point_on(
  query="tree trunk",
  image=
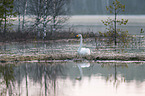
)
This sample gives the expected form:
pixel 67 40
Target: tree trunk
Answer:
pixel 5 25
pixel 115 29
pixel 44 30
pixel 38 18
pixel 19 22
pixel 24 13
pixel 44 22
pixel 19 17
pixel 54 25
pixel 0 25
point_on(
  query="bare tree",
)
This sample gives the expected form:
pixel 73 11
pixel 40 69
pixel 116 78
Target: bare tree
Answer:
pixel 36 9
pixel 40 8
pixel 48 12
pixel 58 10
pixel 24 13
pixel 46 15
pixel 18 9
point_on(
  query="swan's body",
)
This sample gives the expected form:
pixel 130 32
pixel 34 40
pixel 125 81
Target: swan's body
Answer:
pixel 82 51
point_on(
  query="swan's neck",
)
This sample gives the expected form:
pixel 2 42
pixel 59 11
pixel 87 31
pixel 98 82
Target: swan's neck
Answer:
pixel 81 43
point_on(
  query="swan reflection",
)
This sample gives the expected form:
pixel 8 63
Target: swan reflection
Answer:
pixel 81 66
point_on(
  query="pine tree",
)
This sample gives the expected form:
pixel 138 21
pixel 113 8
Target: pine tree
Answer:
pixel 1 14
pixel 6 11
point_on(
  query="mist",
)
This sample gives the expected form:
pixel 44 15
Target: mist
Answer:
pixel 98 7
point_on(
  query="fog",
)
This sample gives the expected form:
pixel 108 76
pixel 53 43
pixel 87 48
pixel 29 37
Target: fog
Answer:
pixel 96 7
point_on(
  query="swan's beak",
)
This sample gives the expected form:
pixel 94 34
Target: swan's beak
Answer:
pixel 77 36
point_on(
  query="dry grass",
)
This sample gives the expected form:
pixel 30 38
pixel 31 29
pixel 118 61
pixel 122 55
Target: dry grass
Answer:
pixel 48 57
pixel 30 35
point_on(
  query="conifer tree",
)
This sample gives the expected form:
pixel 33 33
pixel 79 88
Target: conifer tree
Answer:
pixel 1 14
pixel 6 11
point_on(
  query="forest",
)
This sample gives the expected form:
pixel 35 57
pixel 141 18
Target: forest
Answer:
pixel 37 20
pixel 43 18
pixel 36 16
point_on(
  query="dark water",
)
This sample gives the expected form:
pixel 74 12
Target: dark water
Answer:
pixel 73 79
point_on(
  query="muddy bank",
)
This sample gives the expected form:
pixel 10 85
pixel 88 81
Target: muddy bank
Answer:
pixel 15 58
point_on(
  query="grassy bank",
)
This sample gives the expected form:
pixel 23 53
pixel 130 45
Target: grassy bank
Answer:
pixel 65 36
pixel 93 57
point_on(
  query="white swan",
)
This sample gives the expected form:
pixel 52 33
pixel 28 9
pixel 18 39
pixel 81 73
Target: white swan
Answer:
pixel 82 51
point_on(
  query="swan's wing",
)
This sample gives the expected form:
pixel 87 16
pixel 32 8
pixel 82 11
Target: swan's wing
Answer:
pixel 85 51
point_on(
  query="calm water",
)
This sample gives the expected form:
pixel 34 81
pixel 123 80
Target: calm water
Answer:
pixel 92 23
pixel 73 79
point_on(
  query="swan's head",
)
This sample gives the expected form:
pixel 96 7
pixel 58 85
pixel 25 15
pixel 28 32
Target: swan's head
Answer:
pixel 79 35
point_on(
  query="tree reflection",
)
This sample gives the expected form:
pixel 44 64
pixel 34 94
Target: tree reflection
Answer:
pixel 19 80
pixel 115 78
pixel 7 79
pixel 22 76
pixel 49 78
pixel 26 80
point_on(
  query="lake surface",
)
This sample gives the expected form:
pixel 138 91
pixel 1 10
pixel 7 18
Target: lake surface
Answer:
pixel 102 78
pixel 92 23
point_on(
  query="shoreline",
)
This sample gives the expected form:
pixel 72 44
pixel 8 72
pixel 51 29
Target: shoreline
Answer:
pixel 10 57
pixel 68 57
